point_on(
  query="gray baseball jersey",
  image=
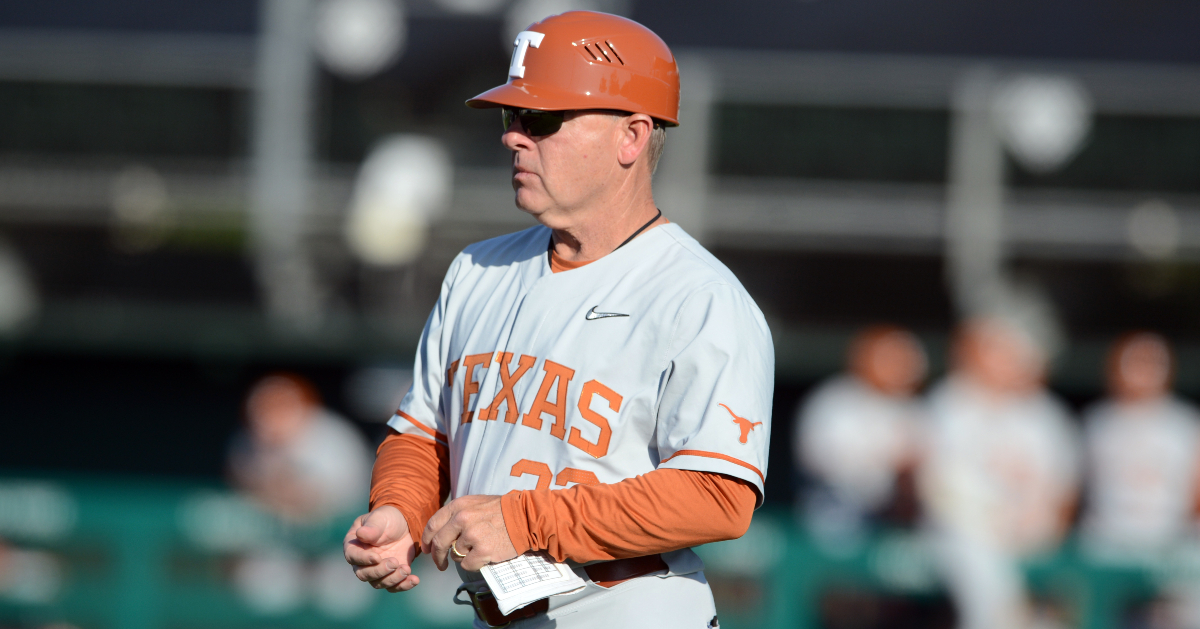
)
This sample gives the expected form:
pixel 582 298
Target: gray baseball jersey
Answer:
pixel 652 356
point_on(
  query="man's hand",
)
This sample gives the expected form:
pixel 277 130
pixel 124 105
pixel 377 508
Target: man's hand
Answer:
pixel 381 550
pixel 475 526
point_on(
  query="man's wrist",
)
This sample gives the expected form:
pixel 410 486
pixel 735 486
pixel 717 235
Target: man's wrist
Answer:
pixel 408 520
pixel 516 520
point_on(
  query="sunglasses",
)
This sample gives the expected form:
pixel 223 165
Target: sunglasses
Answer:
pixel 533 121
pixel 538 122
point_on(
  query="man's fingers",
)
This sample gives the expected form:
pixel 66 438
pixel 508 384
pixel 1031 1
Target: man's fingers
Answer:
pixel 434 525
pixel 368 534
pixel 440 542
pixel 382 570
pixel 354 527
pixel 463 549
pixel 350 534
pixel 357 555
pixel 407 584
pixel 477 556
pixel 382 526
pixel 355 552
pixel 442 530
pixel 392 579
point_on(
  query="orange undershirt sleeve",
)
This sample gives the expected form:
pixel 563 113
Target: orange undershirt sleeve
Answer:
pixel 657 512
pixel 412 474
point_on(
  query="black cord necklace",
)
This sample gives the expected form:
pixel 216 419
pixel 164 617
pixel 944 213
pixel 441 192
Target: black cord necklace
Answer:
pixel 640 230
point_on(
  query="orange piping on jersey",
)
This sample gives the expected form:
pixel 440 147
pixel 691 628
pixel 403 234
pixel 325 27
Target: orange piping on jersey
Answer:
pixel 507 380
pixel 600 448
pixel 470 386
pixel 554 373
pixel 431 432
pixel 558 264
pixel 717 455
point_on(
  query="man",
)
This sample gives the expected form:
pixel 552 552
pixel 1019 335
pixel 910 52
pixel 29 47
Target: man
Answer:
pixel 302 463
pixel 597 388
pixel 857 433
pixel 1000 470
pixel 297 458
pixel 1142 446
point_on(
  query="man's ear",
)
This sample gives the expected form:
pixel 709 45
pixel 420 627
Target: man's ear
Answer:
pixel 635 133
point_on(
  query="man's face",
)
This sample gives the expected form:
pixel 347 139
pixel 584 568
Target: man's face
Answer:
pixel 558 174
pixel 1001 358
pixel 893 363
pixel 277 412
pixel 1140 369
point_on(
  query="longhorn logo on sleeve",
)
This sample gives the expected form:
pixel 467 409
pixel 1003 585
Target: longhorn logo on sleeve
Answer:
pixel 743 423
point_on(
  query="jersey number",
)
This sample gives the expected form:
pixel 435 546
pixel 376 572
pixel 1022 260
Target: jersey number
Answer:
pixel 543 474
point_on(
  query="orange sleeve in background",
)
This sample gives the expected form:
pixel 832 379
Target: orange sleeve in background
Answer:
pixel 657 512
pixel 411 473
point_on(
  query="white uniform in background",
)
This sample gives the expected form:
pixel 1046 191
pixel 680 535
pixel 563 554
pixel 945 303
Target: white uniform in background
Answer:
pixel 996 479
pixel 1142 467
pixel 330 458
pixel 854 439
pixel 331 461
pixel 653 356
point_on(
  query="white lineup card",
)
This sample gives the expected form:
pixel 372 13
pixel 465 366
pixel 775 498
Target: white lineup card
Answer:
pixel 526 578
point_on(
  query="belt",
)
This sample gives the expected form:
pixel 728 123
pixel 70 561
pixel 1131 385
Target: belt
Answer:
pixel 605 574
pixel 488 610
pixel 610 573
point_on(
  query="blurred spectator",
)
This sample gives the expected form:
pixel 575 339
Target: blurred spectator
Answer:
pixel 857 433
pixel 1142 452
pixel 28 576
pixel 303 463
pixel 295 457
pixel 1000 471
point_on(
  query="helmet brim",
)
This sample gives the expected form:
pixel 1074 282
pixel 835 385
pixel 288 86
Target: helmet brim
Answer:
pixel 513 95
pixel 518 94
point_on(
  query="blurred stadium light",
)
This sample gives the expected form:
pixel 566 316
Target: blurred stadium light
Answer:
pixel 19 301
pixel 359 38
pixel 403 185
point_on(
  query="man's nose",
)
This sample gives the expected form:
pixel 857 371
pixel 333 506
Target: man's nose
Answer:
pixel 514 137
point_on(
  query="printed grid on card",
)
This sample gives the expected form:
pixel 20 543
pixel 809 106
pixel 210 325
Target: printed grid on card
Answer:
pixel 524 571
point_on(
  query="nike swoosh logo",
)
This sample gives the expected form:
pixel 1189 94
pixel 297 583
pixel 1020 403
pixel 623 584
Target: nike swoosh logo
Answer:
pixel 592 315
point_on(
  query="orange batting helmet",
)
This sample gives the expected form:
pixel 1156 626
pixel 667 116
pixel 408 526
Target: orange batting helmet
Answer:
pixel 589 60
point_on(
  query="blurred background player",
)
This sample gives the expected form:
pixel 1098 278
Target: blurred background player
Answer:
pixel 1000 470
pixel 27 575
pixel 1142 445
pixel 303 463
pixel 298 459
pixel 856 436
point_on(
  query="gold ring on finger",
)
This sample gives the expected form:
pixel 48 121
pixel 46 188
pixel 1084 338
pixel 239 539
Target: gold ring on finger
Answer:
pixel 454 549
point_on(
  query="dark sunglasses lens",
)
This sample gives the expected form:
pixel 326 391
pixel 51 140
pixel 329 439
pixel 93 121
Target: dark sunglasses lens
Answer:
pixel 533 122
pixel 541 122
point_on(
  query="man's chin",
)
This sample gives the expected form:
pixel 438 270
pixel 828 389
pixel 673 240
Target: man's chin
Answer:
pixel 526 205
